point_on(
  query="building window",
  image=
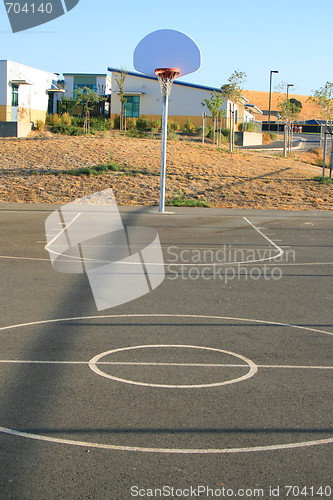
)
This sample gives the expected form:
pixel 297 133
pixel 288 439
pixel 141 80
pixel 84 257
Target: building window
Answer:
pixel 14 94
pixel 132 106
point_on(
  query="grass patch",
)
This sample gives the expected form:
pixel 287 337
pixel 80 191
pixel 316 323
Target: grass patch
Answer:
pixel 105 168
pixel 180 201
pixel 323 180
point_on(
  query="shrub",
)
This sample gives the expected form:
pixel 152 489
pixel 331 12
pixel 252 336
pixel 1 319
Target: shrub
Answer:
pixel 173 126
pixel 198 131
pixel 77 121
pixel 39 125
pixel 269 136
pixel 224 139
pixel 143 123
pixel 100 123
pixel 210 132
pixel 130 123
pixel 53 120
pixel 156 125
pixel 116 122
pixel 225 132
pixel 67 130
pixel 65 119
pixel 140 134
pixel 249 127
pixel 189 128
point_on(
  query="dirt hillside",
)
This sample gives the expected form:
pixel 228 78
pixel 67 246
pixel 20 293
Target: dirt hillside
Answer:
pixel 309 110
pixel 28 170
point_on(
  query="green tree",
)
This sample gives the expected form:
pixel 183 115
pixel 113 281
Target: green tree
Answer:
pixel 214 106
pixel 87 98
pixel 232 90
pixel 289 109
pixel 120 80
pixel 297 103
pixel 323 97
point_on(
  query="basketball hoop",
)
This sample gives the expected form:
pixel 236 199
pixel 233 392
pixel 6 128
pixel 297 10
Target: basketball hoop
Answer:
pixel 166 77
pixel 166 54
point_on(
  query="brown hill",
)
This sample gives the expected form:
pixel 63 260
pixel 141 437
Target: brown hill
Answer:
pixel 309 110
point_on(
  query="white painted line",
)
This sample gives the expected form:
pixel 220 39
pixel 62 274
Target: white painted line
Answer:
pixel 10 257
pixel 65 227
pixel 113 447
pixel 280 250
pixel 209 264
pixel 135 363
pixel 165 315
pixel 31 362
pixel 182 451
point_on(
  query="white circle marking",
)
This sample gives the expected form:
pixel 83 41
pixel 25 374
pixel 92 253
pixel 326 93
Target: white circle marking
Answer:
pixel 253 367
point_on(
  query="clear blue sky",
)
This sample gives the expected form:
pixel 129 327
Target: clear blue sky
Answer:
pixel 293 37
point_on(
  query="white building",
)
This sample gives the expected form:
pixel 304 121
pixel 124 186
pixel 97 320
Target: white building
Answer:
pixel 24 97
pixel 185 103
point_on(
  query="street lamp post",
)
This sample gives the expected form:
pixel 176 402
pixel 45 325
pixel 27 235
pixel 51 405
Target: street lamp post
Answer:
pixel 289 128
pixel 289 85
pixel 270 99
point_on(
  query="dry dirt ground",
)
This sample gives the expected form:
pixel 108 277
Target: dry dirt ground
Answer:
pixel 194 171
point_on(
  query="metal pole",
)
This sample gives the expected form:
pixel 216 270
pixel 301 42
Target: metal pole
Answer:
pixel 231 128
pixel 291 137
pixel 285 140
pixel 331 160
pixel 203 127
pixel 270 101
pixel 164 148
pixel 324 154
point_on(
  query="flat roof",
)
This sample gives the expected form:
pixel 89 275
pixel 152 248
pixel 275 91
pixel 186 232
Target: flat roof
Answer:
pixel 176 82
pixel 184 84
pixel 86 74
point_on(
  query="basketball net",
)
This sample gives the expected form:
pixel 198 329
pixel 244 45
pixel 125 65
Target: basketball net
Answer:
pixel 166 77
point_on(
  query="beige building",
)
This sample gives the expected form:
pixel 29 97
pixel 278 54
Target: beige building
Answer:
pixel 143 98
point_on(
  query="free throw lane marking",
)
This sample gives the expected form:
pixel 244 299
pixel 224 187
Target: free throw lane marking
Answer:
pixel 280 251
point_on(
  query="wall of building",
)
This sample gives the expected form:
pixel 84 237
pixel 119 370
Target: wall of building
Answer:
pixel 102 83
pixel 3 81
pixel 185 102
pixel 69 85
pixel 5 113
pixel 32 99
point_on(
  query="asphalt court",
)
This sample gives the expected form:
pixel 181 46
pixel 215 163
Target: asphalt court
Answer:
pixel 231 357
